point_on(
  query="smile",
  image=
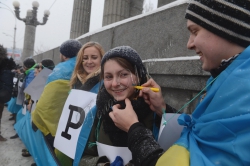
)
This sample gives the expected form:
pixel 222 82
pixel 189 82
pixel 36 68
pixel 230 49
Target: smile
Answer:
pixel 119 90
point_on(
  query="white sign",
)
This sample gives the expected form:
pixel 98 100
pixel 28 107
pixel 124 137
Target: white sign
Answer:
pixel 112 151
pixel 170 132
pixel 36 86
pixel 75 109
pixel 20 96
pixel 14 80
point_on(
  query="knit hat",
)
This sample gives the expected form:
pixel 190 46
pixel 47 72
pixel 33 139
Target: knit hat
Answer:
pixel 70 48
pixel 48 63
pixel 29 62
pixel 229 19
pixel 130 55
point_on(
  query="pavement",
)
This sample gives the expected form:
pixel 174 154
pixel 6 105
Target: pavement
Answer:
pixel 11 149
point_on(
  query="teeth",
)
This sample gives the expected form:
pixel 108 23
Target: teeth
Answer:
pixel 117 91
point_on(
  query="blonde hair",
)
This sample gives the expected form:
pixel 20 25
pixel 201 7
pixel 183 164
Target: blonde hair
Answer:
pixel 78 66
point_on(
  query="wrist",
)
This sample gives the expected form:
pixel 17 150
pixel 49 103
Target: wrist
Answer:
pixel 131 124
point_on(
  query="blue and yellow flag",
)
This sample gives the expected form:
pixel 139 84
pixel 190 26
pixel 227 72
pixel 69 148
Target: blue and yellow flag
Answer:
pixel 219 131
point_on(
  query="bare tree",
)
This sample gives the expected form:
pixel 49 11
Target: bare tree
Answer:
pixel 41 49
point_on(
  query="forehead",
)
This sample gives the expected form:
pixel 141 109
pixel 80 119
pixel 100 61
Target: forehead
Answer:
pixel 112 66
pixel 91 50
pixel 191 24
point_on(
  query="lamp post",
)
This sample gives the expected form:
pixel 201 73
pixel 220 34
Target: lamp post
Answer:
pixel 30 27
pixel 14 41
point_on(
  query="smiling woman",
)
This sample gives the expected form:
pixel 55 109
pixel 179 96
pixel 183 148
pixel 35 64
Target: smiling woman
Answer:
pixel 121 70
pixel 87 64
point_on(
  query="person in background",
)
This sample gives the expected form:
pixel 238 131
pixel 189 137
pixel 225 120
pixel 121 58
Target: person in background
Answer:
pixel 48 110
pixel 218 130
pixel 6 81
pixel 13 107
pixel 87 65
pixel 45 63
pixel 28 68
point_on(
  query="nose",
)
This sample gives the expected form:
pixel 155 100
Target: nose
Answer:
pixel 115 82
pixel 190 43
pixel 89 60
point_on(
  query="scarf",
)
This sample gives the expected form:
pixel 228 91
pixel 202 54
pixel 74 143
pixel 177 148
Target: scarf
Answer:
pixel 104 103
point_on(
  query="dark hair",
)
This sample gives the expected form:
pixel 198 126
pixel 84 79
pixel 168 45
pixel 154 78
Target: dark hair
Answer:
pixel 29 62
pixel 48 63
pixel 129 54
pixel 121 61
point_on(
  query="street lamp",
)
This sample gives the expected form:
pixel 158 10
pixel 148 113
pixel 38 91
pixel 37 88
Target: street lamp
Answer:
pixel 30 28
pixel 14 41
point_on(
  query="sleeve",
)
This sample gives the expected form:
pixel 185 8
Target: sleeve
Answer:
pixel 145 150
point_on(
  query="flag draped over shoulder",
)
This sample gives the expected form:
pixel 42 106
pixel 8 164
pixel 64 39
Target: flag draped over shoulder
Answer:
pixel 50 105
pixel 218 132
pixel 35 142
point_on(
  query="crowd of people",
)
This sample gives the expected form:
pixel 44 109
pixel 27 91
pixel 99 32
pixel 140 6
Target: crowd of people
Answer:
pixel 216 133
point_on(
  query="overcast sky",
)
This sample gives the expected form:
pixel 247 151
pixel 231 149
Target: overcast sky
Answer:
pixel 57 28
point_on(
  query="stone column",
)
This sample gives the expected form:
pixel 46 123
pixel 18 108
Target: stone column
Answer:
pixel 29 41
pixel 164 2
pixel 136 7
pixel 80 18
pixel 115 10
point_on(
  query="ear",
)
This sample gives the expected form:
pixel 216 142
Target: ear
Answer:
pixel 64 57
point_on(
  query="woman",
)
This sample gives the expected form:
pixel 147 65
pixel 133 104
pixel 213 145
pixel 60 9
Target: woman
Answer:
pixel 86 76
pixel 87 65
pixel 121 70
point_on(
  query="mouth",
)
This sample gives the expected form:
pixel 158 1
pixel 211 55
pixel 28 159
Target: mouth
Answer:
pixel 118 91
pixel 90 67
pixel 199 53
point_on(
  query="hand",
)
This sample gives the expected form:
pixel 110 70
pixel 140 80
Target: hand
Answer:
pixel 124 118
pixel 28 107
pixel 153 99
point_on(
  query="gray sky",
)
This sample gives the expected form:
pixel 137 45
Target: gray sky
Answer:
pixel 57 28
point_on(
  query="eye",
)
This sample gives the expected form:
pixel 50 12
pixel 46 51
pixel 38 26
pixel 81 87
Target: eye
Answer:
pixel 194 32
pixel 85 58
pixel 124 75
pixel 95 57
pixel 108 77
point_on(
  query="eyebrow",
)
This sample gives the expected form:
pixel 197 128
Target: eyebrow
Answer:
pixel 90 55
pixel 115 72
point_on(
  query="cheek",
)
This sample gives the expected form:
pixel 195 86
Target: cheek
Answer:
pixel 131 91
pixel 107 84
pixel 97 63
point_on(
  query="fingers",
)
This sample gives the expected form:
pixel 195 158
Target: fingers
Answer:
pixel 148 91
pixel 111 115
pixel 116 106
pixel 128 103
pixel 151 83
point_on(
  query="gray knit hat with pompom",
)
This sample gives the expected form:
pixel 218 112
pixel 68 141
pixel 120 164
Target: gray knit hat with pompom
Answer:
pixel 70 48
